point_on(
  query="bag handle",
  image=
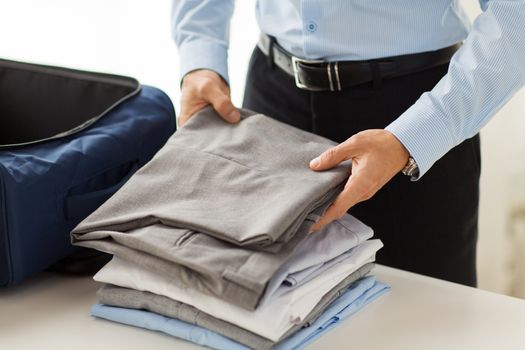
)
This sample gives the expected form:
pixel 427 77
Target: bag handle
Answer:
pixel 79 206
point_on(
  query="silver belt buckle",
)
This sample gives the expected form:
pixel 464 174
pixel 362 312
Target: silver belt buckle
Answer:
pixel 298 83
pixel 301 85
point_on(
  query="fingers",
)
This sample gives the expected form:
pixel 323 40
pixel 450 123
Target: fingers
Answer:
pixel 357 189
pixel 333 156
pixel 188 109
pixel 222 104
pixel 330 215
pixel 204 87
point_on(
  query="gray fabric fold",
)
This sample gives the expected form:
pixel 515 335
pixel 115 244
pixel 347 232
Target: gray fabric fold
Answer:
pixel 198 261
pixel 129 298
pixel 247 183
pixel 221 207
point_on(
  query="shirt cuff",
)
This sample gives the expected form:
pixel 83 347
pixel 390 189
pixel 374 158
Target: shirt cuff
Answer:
pixel 203 55
pixel 424 133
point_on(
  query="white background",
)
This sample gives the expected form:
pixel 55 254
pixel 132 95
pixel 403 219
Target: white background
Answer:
pixel 132 37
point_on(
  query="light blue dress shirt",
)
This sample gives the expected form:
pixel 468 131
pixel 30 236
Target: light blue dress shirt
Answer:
pixel 483 75
pixel 354 299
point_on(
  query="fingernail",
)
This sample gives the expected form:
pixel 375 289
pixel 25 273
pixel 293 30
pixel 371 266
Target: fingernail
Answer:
pixel 314 163
pixel 234 115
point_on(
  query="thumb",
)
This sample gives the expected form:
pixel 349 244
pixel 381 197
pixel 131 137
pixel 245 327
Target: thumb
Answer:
pixel 222 103
pixel 330 158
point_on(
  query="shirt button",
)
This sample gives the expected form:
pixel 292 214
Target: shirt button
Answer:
pixel 311 26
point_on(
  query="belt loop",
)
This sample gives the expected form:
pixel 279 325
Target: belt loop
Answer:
pixel 377 81
pixel 336 70
pixel 269 57
pixel 329 72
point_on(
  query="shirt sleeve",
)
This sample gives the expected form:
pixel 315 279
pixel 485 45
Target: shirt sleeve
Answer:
pixel 482 76
pixel 201 32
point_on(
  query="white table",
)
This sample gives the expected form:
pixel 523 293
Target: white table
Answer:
pixel 52 312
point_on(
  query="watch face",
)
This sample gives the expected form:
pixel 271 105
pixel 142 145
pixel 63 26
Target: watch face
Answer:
pixel 411 168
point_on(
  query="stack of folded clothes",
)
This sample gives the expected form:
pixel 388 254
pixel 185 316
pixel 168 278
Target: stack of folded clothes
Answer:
pixel 211 239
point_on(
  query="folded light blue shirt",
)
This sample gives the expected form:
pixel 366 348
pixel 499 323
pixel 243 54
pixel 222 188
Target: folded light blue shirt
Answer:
pixel 354 299
pixel 483 74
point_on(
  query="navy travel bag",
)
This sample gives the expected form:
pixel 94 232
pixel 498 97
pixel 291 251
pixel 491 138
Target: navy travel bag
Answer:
pixel 69 139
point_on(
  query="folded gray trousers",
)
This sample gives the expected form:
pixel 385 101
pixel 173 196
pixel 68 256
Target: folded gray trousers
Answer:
pixel 133 299
pixel 240 196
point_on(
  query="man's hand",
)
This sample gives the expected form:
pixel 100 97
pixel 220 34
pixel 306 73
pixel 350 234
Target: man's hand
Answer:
pixel 204 87
pixel 377 155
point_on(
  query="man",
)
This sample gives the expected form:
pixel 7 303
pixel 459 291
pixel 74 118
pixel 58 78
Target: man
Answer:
pixel 375 77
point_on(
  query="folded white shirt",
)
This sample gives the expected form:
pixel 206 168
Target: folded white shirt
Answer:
pixel 335 239
pixel 270 320
pixel 299 278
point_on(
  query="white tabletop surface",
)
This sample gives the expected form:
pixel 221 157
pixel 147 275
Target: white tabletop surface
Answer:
pixel 52 312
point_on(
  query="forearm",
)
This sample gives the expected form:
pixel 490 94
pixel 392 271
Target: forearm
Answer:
pixel 483 75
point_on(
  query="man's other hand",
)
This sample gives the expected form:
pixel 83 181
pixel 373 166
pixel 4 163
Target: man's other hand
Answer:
pixel 376 155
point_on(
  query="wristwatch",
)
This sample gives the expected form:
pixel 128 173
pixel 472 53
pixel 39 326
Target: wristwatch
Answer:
pixel 411 168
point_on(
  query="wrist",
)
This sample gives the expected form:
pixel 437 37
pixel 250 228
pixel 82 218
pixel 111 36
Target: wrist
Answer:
pixel 201 73
pixel 409 165
pixel 399 152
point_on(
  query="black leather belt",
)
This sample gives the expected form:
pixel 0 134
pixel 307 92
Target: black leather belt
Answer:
pixel 319 75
